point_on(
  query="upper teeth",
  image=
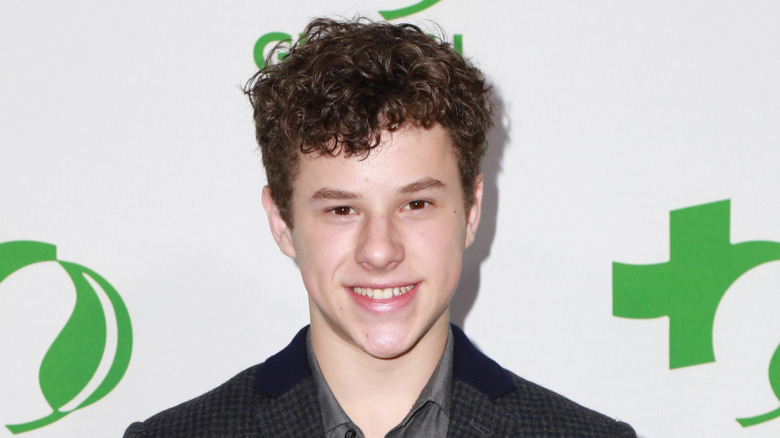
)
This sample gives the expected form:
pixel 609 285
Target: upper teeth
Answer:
pixel 381 294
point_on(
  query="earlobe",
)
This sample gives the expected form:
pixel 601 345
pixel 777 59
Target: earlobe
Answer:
pixel 279 228
pixel 472 219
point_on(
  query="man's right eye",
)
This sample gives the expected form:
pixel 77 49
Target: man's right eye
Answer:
pixel 343 210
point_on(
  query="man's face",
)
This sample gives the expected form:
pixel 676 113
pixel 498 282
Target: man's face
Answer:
pixel 379 241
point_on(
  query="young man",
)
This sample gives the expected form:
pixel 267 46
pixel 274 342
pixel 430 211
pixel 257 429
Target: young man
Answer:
pixel 371 136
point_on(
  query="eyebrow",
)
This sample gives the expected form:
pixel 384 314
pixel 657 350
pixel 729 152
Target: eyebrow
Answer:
pixel 328 194
pixel 423 184
pixel 332 194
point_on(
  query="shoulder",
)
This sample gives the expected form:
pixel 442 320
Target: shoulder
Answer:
pixel 238 409
pixel 488 400
pixel 225 406
pixel 276 398
pixel 559 414
pixel 528 409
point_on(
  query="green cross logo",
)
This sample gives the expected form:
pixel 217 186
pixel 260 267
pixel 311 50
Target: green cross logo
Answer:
pixel 703 264
pixel 72 361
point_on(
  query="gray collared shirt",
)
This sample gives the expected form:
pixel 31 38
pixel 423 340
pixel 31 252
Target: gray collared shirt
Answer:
pixel 429 416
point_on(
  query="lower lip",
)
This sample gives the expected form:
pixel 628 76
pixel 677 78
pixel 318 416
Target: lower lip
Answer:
pixel 387 305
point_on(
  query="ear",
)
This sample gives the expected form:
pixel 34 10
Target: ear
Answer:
pixel 472 219
pixel 279 229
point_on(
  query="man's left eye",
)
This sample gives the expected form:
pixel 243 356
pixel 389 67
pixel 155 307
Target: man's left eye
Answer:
pixel 416 205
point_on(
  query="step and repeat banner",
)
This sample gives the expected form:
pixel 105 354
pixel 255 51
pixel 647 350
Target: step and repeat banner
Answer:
pixel 629 252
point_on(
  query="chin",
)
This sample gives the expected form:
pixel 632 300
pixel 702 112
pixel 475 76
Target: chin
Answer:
pixel 387 343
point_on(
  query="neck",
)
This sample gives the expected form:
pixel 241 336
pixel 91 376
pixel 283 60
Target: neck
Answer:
pixel 377 393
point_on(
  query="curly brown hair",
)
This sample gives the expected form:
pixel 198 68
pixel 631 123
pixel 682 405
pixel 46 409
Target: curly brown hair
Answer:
pixel 344 82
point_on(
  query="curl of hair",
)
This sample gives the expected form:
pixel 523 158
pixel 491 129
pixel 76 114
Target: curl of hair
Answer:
pixel 343 83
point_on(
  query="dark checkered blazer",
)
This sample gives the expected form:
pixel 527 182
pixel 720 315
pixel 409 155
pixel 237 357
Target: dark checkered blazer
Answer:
pixel 278 399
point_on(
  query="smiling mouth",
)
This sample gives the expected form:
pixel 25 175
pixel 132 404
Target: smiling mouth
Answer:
pixel 382 294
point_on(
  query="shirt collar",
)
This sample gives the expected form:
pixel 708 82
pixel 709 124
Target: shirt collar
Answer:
pixel 290 366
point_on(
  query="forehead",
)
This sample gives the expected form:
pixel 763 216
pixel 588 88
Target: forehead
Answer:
pixel 405 153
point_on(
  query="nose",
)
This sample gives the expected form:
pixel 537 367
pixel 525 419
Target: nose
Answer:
pixel 380 246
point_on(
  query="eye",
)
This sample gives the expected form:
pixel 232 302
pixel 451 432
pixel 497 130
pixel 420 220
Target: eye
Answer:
pixel 343 210
pixel 417 204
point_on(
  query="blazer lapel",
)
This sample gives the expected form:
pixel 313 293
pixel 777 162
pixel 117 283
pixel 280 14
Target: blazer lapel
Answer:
pixel 290 407
pixel 479 381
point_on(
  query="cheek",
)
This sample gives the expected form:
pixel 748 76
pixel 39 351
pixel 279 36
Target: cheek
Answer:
pixel 320 255
pixel 441 243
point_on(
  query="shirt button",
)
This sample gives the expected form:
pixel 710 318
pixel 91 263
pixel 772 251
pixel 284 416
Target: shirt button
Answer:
pixel 350 434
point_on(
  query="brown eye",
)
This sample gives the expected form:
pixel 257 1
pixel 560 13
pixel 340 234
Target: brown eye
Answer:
pixel 343 211
pixel 417 205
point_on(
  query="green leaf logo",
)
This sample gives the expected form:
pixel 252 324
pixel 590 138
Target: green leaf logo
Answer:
pixel 271 39
pixel 78 369
pixel 409 10
pixel 264 41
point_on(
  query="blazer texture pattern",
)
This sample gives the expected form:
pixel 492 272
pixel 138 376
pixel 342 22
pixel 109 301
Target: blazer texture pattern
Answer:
pixel 278 398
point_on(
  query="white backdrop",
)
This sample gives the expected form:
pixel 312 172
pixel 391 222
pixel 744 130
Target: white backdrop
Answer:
pixel 125 142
